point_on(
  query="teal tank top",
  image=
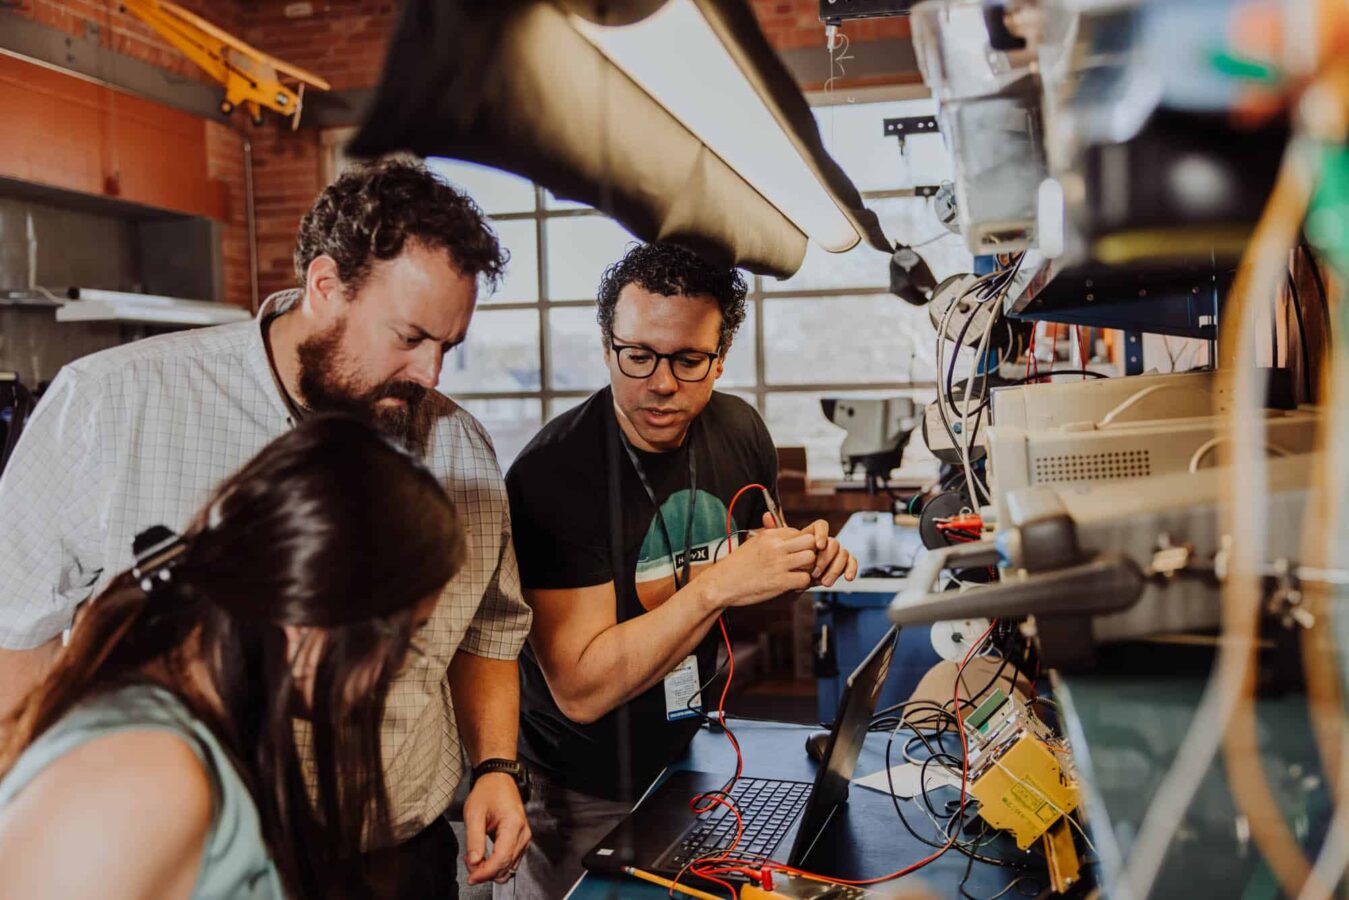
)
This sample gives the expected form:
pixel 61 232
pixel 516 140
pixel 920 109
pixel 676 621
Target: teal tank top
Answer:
pixel 235 862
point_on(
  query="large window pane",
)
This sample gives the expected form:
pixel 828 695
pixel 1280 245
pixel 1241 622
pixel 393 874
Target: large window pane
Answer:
pixel 580 248
pixel 796 420
pixel 494 190
pixel 500 354
pixel 740 361
pixel 577 354
pixel 521 284
pixel 854 134
pixel 846 339
pixel 510 422
pixel 861 267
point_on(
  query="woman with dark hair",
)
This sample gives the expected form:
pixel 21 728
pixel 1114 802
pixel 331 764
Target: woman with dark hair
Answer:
pixel 158 758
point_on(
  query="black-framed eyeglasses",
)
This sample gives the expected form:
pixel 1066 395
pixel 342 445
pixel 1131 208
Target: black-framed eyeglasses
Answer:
pixel 636 361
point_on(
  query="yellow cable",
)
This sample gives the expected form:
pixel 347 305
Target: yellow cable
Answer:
pixel 1245 492
pixel 1326 106
pixel 1240 390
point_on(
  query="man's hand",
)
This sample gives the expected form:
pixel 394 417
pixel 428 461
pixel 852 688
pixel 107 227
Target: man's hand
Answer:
pixel 493 809
pixel 831 560
pixel 772 562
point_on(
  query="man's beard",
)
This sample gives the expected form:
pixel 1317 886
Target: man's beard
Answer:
pixel 325 388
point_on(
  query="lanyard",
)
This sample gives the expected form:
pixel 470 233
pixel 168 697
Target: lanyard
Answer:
pixel 660 517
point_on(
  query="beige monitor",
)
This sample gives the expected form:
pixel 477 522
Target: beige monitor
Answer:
pixel 1113 430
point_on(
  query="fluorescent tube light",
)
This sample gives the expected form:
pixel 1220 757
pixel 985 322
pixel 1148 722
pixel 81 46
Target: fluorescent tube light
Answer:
pixel 676 57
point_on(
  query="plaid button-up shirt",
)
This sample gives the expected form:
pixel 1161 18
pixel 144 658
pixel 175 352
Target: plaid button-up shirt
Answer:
pixel 139 435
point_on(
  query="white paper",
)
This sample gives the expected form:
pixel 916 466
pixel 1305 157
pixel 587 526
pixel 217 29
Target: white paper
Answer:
pixel 906 776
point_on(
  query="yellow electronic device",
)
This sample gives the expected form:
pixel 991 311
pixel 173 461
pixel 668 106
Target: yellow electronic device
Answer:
pixel 1024 787
pixel 252 79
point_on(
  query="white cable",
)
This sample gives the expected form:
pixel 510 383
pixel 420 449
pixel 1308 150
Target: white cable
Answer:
pixel 1211 443
pixel 980 355
pixel 941 370
pixel 942 375
pixel 1134 399
pixel 946 411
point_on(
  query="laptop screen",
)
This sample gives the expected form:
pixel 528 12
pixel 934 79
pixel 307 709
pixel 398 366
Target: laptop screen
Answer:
pixel 845 745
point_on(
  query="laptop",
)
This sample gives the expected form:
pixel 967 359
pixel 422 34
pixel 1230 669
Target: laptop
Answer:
pixel 663 835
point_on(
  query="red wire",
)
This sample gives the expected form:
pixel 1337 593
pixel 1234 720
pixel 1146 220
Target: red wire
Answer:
pixel 730 523
pixel 705 803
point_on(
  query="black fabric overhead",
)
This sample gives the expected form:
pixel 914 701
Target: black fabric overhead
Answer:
pixel 511 84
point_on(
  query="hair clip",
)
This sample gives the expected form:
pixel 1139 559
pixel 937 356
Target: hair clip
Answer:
pixel 157 550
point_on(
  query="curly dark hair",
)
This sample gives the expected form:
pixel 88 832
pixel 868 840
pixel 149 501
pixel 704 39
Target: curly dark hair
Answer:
pixel 671 270
pixel 372 210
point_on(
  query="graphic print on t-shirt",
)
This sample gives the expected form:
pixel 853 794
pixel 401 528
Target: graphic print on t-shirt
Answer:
pixel 655 574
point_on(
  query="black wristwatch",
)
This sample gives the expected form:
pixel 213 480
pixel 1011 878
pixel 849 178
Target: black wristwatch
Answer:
pixel 511 767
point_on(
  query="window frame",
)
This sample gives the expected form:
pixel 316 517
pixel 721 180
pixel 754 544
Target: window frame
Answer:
pixel 759 295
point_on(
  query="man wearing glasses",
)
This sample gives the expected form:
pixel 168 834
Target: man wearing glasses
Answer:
pixel 619 509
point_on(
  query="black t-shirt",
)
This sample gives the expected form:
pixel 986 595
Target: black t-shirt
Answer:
pixel 560 516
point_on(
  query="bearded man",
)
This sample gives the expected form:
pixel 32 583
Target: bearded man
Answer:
pixel 388 262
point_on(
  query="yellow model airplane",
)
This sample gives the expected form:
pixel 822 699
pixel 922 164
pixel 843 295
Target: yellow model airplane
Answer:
pixel 252 79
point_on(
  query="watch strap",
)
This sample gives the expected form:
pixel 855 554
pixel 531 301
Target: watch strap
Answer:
pixel 512 767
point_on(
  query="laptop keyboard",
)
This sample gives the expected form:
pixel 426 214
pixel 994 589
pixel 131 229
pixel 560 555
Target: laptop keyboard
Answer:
pixel 767 809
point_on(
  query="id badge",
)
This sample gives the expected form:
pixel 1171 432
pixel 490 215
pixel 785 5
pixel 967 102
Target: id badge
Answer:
pixel 683 691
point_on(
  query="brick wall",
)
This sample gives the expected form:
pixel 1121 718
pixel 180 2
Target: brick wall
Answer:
pixel 225 162
pixel 287 168
pixel 341 40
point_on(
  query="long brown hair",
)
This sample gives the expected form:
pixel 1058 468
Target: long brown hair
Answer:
pixel 329 527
